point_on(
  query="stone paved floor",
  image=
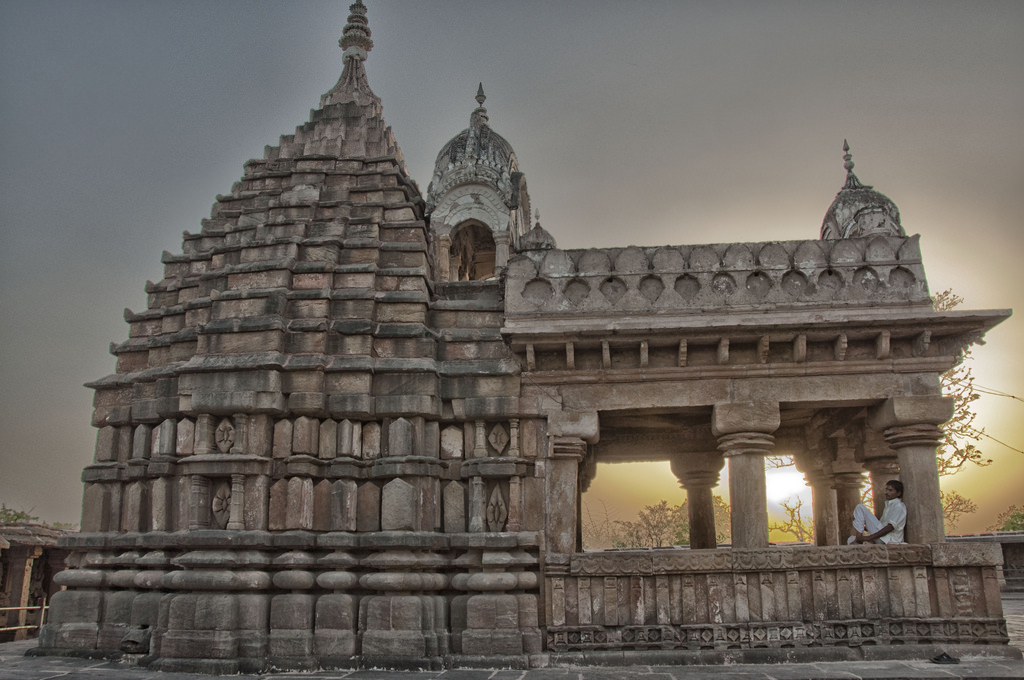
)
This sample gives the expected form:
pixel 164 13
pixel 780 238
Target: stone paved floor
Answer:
pixel 14 665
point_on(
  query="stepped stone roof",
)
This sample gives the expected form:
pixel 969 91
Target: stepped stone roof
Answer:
pixel 316 256
pixel 29 534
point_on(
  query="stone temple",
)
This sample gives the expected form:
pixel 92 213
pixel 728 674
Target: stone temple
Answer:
pixel 354 422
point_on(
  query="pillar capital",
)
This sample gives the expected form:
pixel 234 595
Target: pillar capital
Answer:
pixel 872 447
pixel 883 466
pixel 848 480
pixel 731 417
pixel 744 436
pixel 698 473
pixel 815 461
pixel 696 479
pixel 568 447
pixel 741 443
pixel 568 424
pixel 900 411
pixel 698 469
pixel 818 476
pixel 902 436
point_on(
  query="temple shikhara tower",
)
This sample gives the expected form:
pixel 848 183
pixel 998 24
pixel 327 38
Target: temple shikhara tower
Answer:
pixel 354 422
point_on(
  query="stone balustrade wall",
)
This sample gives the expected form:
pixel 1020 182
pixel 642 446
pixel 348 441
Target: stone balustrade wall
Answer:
pixel 782 597
pixel 878 270
pixel 1012 545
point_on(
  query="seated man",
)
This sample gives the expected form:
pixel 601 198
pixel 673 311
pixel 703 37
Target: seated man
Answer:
pixel 885 529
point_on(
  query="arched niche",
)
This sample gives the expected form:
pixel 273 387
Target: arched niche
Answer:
pixel 472 253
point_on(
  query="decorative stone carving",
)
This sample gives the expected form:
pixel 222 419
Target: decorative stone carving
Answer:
pixel 498 438
pixel 225 436
pixel 497 510
pixel 220 505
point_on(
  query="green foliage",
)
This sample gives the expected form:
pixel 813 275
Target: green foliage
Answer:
pixel 12 516
pixel 1011 519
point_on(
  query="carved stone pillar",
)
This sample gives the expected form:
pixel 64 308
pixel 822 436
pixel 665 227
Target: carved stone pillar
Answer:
pixel 699 474
pixel 205 427
pixel 823 507
pixel 881 463
pixel 444 259
pixel 910 426
pixel 566 454
pixel 513 438
pixel 847 486
pixel 199 503
pixel 236 519
pixel 480 439
pixel 515 503
pixel 477 505
pixel 815 462
pixel 501 243
pixel 241 441
pixel 848 482
pixel 744 437
pixel 881 471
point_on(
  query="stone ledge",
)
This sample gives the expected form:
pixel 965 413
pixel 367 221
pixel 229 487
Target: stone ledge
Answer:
pixel 681 560
pixel 780 656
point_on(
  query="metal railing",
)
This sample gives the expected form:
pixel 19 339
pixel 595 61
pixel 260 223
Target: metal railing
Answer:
pixel 22 620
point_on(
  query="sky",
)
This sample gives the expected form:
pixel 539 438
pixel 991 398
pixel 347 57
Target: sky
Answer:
pixel 637 123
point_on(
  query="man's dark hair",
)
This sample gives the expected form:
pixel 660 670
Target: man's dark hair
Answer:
pixel 896 484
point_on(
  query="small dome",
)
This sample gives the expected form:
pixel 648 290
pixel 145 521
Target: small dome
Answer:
pixel 538 238
pixel 477 155
pixel 478 144
pixel 858 210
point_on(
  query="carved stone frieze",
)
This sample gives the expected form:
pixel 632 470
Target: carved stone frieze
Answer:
pixel 678 560
pixel 753 635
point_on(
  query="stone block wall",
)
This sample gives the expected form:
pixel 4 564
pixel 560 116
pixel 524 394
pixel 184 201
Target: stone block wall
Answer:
pixel 223 602
pixel 312 474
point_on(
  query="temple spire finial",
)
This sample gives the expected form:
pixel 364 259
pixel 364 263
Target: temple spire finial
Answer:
pixel 851 179
pixel 355 38
pixel 479 116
